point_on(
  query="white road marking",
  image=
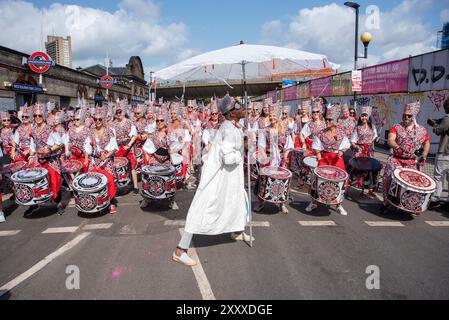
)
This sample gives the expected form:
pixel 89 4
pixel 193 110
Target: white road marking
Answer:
pixel 326 223
pixel 200 275
pixel 41 264
pixel 97 226
pixel 126 229
pixel 182 223
pixel 260 224
pixel 384 223
pixel 61 230
pixel 9 233
pixel 438 223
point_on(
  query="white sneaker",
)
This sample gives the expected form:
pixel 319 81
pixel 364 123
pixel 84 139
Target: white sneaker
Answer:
pixel 2 217
pixel 284 208
pixel 184 259
pixel 342 211
pixel 144 203
pixel 174 205
pixel 241 237
pixel 312 206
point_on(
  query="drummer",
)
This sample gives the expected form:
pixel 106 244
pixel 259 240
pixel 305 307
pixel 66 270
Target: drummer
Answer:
pixel 346 122
pixel 210 127
pixel 288 124
pixel 100 147
pixel 301 119
pixel 157 150
pixel 141 125
pixel 271 144
pixel 177 132
pixel 264 118
pixel 363 138
pixel 313 127
pixel 405 139
pixel 150 119
pixel 22 137
pixel 126 134
pixel 329 146
pixel 45 152
pixel 75 138
pixel 6 135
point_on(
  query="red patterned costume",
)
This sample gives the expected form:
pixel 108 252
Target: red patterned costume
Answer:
pixel 124 131
pixel 347 125
pixel 363 137
pixel 329 146
pixel 76 144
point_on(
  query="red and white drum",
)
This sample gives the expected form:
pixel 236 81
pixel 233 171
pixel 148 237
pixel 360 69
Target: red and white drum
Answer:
pixel 328 185
pixel 410 190
pixel 7 170
pixel 158 182
pixel 31 186
pixel 139 160
pixel 69 170
pixel 258 161
pixel 296 157
pixel 91 192
pixel 121 165
pixel 274 184
pixel 309 164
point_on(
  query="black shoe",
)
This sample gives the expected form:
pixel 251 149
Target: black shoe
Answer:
pixel 12 198
pixel 30 210
pixel 136 191
pixel 60 209
pixel 384 208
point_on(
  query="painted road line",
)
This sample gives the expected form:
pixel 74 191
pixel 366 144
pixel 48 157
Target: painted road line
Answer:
pixel 181 223
pixel 384 224
pixel 61 230
pixel 438 223
pixel 41 264
pixel 315 223
pixel 9 233
pixel 200 275
pixel 97 226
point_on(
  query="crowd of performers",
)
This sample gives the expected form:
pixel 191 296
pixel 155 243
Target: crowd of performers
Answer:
pixel 175 134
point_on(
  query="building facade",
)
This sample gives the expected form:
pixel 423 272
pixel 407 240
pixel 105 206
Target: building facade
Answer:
pixel 60 50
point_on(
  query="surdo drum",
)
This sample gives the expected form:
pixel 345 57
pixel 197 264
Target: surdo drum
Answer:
pixel 368 168
pixel 274 184
pixel 31 186
pixel 296 156
pixel 121 165
pixel 69 170
pixel 328 184
pixel 258 161
pixel 91 192
pixel 7 170
pixel 158 182
pixel 410 190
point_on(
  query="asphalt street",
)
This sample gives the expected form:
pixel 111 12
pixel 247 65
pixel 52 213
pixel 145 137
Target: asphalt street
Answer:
pixel 317 255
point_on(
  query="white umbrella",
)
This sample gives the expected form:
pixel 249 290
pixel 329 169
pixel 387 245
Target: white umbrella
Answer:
pixel 262 62
pixel 243 62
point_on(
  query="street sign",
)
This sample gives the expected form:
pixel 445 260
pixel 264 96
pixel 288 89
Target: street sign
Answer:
pixel 356 80
pixel 106 81
pixel 26 88
pixel 40 62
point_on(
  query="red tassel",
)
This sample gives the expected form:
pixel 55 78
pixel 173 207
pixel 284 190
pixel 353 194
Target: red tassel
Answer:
pixel 274 65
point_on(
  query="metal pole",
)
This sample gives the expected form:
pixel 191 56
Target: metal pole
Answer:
pixel 248 168
pixel 107 73
pixel 356 49
pixel 151 86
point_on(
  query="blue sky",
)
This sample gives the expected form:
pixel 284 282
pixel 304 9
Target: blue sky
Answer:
pixel 195 26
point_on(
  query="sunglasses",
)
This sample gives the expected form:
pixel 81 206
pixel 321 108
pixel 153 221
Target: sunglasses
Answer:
pixel 284 112
pixel 6 120
pixel 25 117
pixel 329 120
pixel 159 120
pixel 137 113
pixel 215 113
pixel 98 119
pixel 77 119
pixel 38 116
pixel 315 112
pixel 118 112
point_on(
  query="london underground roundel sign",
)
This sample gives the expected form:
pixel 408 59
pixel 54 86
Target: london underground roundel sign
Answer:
pixel 40 62
pixel 106 81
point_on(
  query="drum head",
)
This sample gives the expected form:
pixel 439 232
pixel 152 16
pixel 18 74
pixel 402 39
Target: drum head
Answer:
pixel 162 170
pixel 331 173
pixel 120 162
pixel 279 173
pixel 311 161
pixel 71 166
pixel 414 179
pixel 31 174
pixel 365 164
pixel 92 181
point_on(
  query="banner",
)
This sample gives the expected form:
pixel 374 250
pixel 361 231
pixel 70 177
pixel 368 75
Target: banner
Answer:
pixel 356 81
pixel 429 72
pixel 388 77
pixel 320 87
pixel 341 84
pixel 288 93
pixel 304 90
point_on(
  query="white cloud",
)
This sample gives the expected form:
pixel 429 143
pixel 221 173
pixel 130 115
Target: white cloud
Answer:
pixel 135 28
pixel 329 30
pixel 444 16
pixel 272 32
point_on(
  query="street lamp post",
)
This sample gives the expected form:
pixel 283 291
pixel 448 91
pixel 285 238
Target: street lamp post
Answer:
pixel 365 38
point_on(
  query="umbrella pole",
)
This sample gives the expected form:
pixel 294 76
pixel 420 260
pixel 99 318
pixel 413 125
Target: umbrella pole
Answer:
pixel 248 173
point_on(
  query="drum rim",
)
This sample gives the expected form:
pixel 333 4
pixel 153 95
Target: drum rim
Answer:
pixel 90 190
pixel 353 159
pixel 80 165
pixel 117 158
pixel 24 163
pixel 171 168
pixel 403 183
pixel 15 174
pixel 282 169
pixel 334 167
pixel 304 161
